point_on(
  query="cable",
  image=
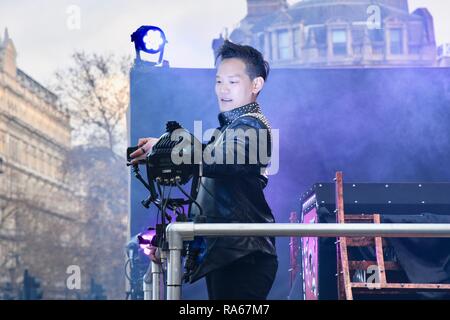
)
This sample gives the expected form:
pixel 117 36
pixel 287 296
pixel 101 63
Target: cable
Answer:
pixel 164 212
pixel 167 201
pixel 129 294
pixel 179 211
pixel 189 197
pixel 126 274
pixel 159 187
pixel 161 196
pixel 164 273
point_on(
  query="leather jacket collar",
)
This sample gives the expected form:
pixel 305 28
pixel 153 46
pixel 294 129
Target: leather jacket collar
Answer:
pixel 227 117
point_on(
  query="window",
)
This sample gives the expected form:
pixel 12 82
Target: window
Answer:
pixel 51 167
pixel 297 43
pixel 283 45
pixel 39 166
pixel 13 149
pixel 26 155
pixel 357 35
pixel 339 39
pixel 269 54
pixel 19 149
pixel 32 157
pixel 376 35
pixel 2 142
pixel 317 38
pixel 396 41
pixel 45 164
pixel 320 35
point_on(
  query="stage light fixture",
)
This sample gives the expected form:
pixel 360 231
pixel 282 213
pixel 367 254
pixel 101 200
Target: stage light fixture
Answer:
pixel 151 40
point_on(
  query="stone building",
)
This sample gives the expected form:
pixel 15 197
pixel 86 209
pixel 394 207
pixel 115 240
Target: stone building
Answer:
pixel 38 209
pixel 339 33
pixel 444 55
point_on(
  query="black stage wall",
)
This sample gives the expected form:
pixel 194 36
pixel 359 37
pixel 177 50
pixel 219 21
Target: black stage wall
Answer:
pixel 376 125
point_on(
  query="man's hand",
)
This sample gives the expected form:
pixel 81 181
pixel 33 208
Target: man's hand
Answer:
pixel 145 146
pixel 155 255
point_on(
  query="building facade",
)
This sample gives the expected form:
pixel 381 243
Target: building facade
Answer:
pixel 339 33
pixel 444 55
pixel 38 209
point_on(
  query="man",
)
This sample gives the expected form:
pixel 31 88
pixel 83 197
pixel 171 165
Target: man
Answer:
pixel 235 267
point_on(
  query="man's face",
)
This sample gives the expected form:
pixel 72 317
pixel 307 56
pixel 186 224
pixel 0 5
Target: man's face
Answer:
pixel 234 88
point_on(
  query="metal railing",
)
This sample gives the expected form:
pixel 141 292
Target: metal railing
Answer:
pixel 186 231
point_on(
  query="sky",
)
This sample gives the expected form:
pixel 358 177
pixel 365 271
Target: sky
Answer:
pixel 46 32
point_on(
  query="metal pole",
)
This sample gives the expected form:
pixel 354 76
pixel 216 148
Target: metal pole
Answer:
pixel 152 280
pixel 174 275
pixel 176 234
pixel 183 231
pixel 387 230
pixel 146 285
pixel 156 280
pixel 162 266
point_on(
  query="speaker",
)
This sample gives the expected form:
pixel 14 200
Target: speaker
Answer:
pixel 319 258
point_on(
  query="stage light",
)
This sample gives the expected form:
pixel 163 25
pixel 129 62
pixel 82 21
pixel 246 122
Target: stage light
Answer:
pixel 145 241
pixel 151 40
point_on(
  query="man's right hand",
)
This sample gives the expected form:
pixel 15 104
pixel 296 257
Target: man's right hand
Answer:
pixel 145 146
pixel 155 255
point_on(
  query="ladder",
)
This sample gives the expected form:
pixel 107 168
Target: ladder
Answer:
pixel 346 268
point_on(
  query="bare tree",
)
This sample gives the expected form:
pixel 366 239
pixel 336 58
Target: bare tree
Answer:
pixel 95 90
pixel 36 234
pixel 46 229
pixel 103 178
pixel 89 229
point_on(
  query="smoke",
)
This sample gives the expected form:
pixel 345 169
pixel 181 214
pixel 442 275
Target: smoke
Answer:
pixel 376 125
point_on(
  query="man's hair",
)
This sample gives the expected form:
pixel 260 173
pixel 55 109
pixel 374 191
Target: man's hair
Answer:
pixel 253 59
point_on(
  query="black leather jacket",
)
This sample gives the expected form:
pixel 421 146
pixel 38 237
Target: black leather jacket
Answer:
pixel 233 193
